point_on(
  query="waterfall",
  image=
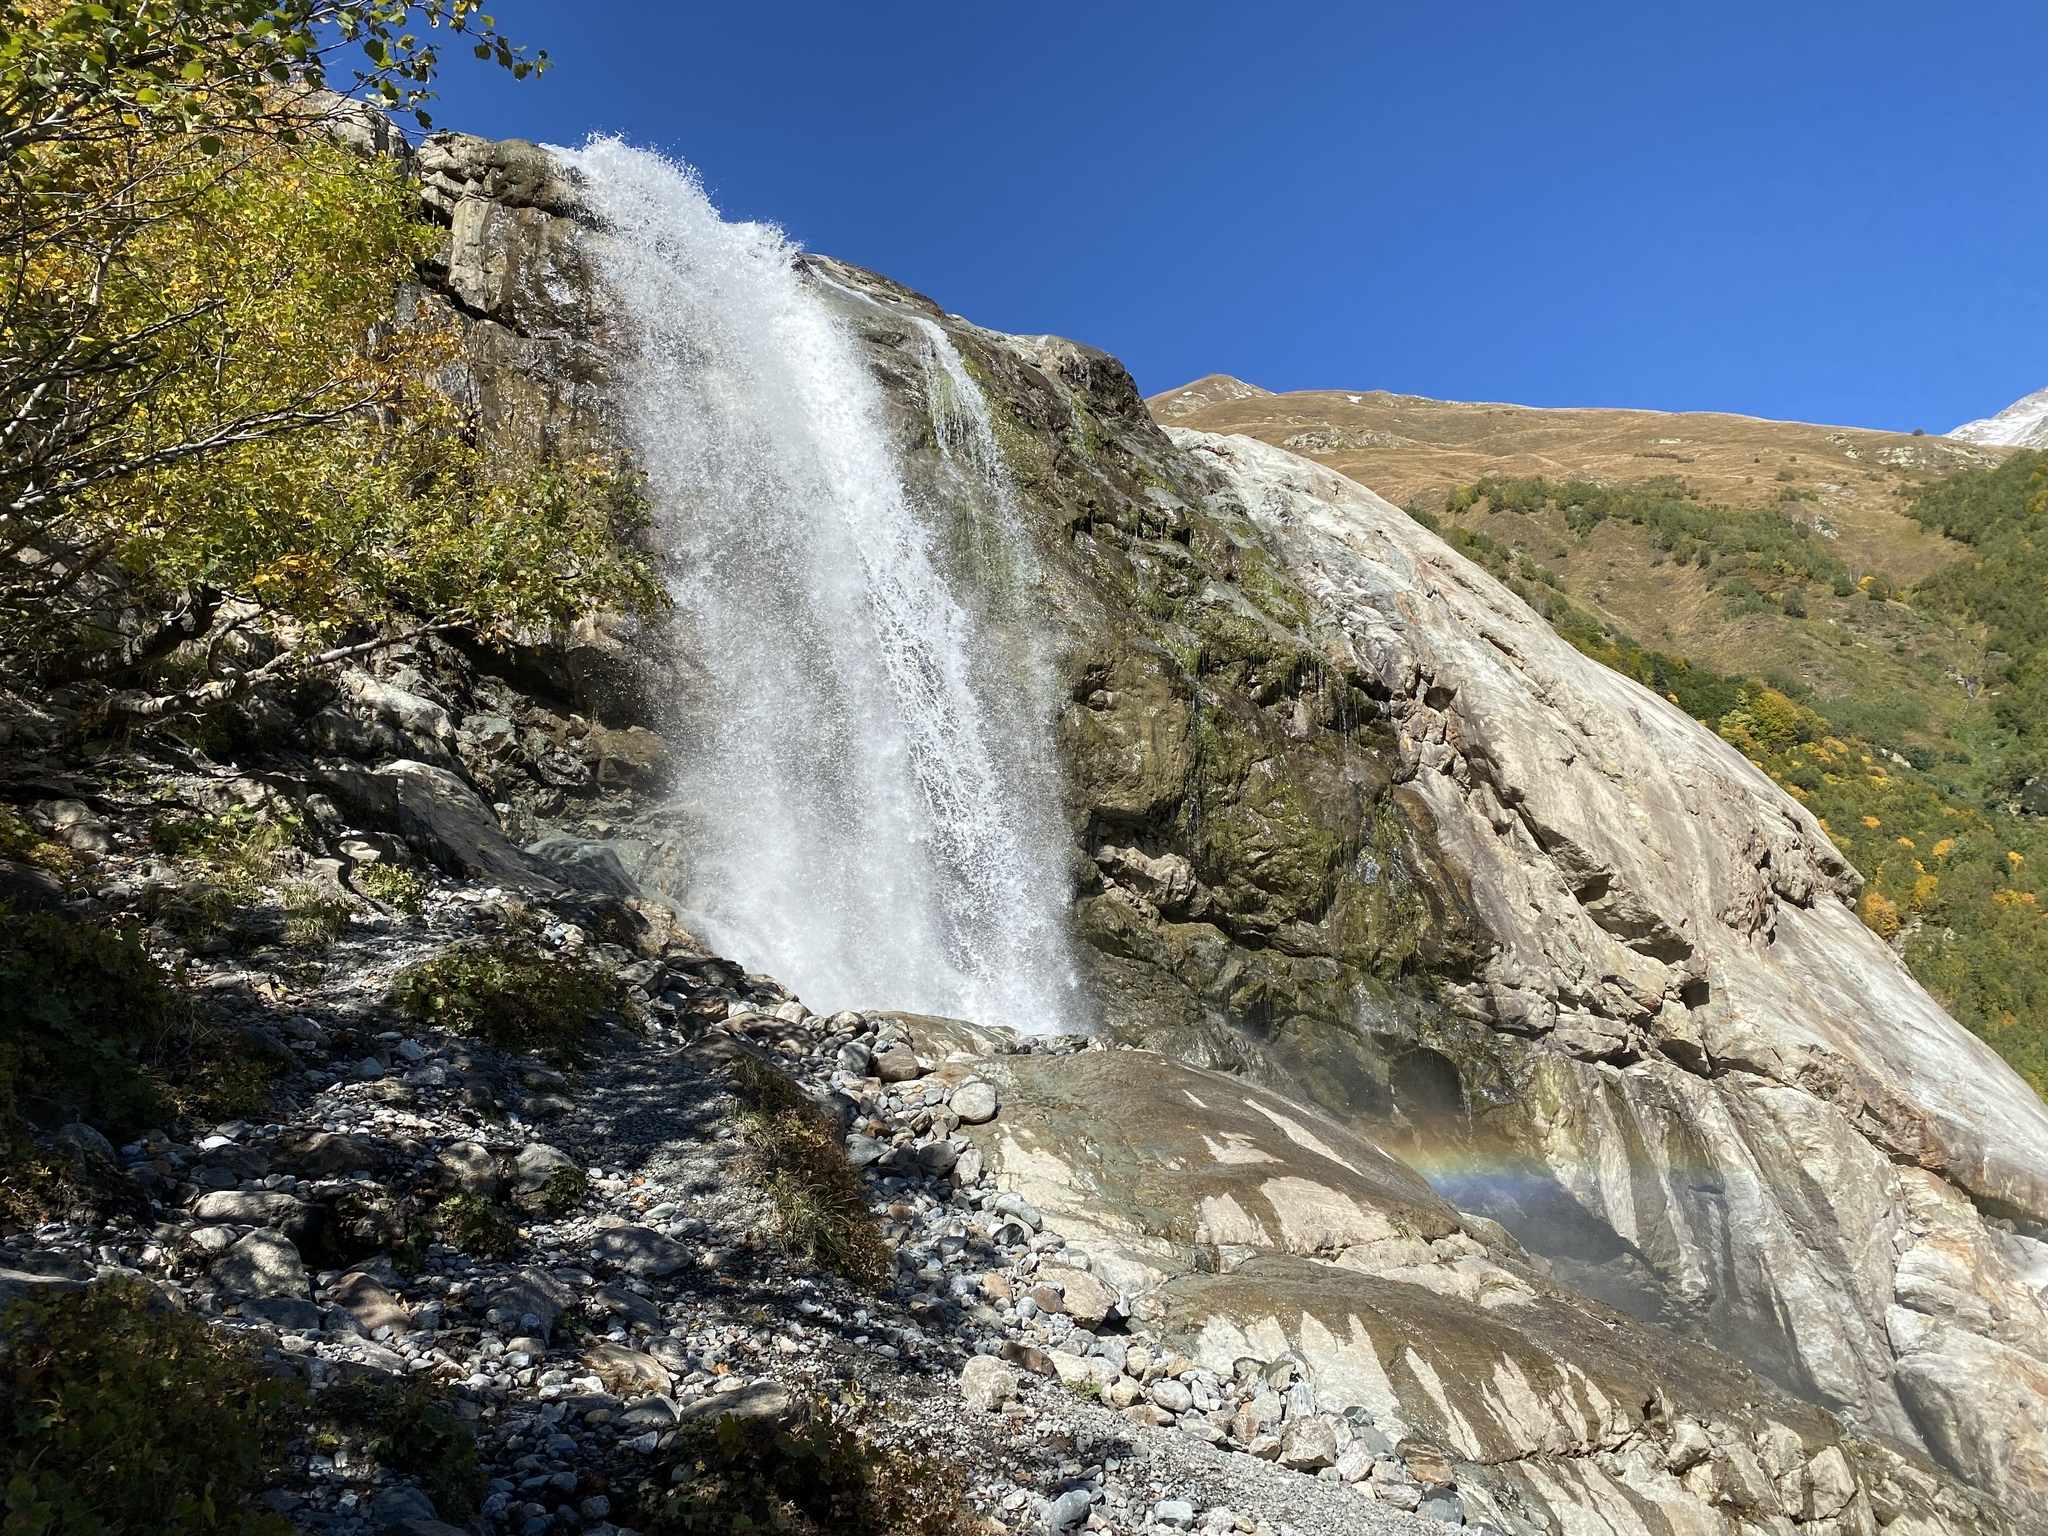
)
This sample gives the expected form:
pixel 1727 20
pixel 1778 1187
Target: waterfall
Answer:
pixel 867 795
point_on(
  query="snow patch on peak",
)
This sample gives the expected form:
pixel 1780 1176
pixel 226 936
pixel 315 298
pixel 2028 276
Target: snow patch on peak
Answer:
pixel 2023 424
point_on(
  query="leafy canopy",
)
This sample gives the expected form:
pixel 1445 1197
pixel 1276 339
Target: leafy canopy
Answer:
pixel 84 76
pixel 213 406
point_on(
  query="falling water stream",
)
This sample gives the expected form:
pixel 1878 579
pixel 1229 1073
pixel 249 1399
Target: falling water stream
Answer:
pixel 870 805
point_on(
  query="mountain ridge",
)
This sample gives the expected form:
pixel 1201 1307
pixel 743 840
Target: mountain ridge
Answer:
pixel 2023 424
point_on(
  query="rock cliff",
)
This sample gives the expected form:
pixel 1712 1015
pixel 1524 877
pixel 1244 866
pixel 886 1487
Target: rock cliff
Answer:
pixel 1351 824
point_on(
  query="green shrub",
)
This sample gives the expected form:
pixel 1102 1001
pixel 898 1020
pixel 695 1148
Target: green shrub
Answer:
pixel 89 1023
pixel 395 887
pixel 562 1193
pixel 23 844
pixel 796 1155
pixel 122 1418
pixel 823 1477
pixel 479 1226
pixel 81 1006
pixel 509 992
pixel 1751 538
pixel 404 1427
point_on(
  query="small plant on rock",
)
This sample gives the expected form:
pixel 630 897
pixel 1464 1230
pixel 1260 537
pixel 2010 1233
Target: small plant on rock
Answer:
pixel 122 1418
pixel 562 1193
pixel 479 1226
pixel 511 993
pixel 402 889
pixel 796 1154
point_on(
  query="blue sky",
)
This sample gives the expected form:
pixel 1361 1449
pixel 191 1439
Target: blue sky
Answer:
pixel 1826 211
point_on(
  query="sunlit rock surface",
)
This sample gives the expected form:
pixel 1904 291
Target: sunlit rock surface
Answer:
pixel 1248 1227
pixel 1738 1080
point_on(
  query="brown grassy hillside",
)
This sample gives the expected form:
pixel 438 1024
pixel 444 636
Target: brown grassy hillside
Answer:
pixel 1847 484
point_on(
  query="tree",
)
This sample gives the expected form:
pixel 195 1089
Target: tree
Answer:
pixel 208 419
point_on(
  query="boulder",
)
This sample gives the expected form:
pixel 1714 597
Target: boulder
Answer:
pixel 629 1372
pixel 975 1102
pixel 370 1302
pixel 1307 1445
pixel 297 1219
pixel 325 1154
pixel 1078 1371
pixel 762 1401
pixel 263 1264
pixel 657 1412
pixel 617 1301
pixel 25 888
pixel 583 865
pixel 83 1144
pixel 1171 1395
pixel 18 1285
pixel 531 1293
pixel 536 1163
pixel 898 1064
pixel 987 1383
pixel 640 1251
pixel 397 1504
pixel 1083 1297
pixel 469 1167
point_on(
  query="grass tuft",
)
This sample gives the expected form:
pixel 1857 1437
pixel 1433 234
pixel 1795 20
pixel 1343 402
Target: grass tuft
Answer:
pixel 402 889
pixel 828 1475
pixel 795 1153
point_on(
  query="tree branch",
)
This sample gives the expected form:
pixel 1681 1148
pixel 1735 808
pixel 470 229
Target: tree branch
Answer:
pixel 136 707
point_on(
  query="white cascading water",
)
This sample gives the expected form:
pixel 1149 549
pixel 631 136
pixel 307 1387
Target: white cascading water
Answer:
pixel 871 807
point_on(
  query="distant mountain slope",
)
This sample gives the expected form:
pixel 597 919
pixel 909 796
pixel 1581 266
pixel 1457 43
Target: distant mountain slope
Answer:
pixel 2023 424
pixel 1212 389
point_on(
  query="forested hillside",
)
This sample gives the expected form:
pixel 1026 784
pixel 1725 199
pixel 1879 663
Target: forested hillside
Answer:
pixel 1934 792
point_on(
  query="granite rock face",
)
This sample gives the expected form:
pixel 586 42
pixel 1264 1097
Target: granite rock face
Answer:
pixel 1725 1069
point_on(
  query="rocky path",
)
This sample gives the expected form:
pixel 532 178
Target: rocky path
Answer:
pixel 660 1294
